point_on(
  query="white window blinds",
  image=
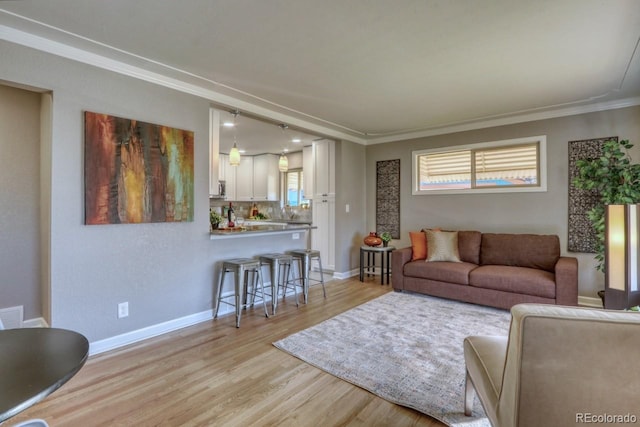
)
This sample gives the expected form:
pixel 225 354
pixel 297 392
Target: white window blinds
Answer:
pixel 503 166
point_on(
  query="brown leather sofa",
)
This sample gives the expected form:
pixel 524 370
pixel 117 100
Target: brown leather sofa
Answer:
pixel 560 366
pixel 498 270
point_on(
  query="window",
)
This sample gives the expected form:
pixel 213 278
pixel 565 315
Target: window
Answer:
pixel 294 190
pixel 500 166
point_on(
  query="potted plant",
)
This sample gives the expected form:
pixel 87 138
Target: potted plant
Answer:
pixel 615 179
pixel 386 238
pixel 214 219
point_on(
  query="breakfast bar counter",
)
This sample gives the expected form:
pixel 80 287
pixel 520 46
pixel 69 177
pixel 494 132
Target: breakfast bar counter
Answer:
pixel 264 229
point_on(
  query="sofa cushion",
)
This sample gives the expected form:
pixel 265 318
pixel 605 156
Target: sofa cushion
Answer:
pixel 418 245
pixel 521 280
pixel 452 272
pixel 520 250
pixel 442 246
pixel 469 246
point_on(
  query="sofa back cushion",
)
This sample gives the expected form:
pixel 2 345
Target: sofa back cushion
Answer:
pixel 520 250
pixel 469 246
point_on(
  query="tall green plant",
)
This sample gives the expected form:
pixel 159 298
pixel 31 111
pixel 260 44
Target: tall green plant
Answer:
pixel 617 181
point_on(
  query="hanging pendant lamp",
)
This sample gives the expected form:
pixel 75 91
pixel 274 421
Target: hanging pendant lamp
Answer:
pixel 283 163
pixel 234 154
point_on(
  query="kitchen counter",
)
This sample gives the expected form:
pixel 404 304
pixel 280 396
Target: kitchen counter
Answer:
pixel 262 229
pixel 277 221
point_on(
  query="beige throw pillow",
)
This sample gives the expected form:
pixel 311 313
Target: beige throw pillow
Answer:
pixel 442 246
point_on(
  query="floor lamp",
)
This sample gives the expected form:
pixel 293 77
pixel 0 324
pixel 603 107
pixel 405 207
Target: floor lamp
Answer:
pixel 622 253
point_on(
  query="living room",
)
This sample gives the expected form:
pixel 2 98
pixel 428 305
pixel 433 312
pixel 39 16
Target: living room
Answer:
pixel 165 271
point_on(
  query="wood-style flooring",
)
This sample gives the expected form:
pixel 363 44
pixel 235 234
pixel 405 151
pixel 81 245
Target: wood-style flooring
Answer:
pixel 213 374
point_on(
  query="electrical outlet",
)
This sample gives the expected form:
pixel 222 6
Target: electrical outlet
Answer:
pixel 123 310
pixel 347 208
pixel 295 236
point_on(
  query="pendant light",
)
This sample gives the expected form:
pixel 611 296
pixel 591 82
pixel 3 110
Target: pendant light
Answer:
pixel 283 162
pixel 234 154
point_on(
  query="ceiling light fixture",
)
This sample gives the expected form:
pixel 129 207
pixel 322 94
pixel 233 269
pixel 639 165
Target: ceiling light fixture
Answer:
pixel 234 154
pixel 283 162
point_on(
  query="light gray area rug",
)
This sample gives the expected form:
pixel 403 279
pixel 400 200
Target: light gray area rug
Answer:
pixel 405 348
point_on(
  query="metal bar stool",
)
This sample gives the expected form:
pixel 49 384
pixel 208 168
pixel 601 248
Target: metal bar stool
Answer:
pixel 304 258
pixel 241 267
pixel 280 265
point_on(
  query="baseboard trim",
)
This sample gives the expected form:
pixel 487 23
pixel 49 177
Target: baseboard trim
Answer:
pixel 132 337
pixel 590 302
pixel 345 274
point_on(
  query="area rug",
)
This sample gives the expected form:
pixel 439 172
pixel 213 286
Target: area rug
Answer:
pixel 405 348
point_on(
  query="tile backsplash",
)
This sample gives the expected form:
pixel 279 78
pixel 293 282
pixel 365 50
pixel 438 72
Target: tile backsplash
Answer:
pixel 272 210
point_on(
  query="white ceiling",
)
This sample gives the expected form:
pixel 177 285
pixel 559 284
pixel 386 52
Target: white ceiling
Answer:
pixel 365 70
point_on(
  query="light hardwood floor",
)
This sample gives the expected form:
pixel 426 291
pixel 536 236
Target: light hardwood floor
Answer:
pixel 213 374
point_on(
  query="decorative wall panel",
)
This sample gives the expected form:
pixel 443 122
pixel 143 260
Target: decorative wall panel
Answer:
pixel 582 236
pixel 388 197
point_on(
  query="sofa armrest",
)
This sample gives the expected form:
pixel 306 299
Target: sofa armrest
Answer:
pixel 398 259
pixel 566 271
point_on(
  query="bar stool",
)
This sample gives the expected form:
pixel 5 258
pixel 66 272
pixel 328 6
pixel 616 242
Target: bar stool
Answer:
pixel 241 267
pixel 304 258
pixel 279 264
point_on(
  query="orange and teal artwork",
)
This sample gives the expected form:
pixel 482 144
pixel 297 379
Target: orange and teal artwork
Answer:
pixel 136 172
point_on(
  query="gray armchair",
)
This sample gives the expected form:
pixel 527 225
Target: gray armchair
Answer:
pixel 560 366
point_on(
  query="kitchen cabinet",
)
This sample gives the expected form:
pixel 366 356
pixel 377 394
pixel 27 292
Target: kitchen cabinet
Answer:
pixel 230 180
pixel 256 178
pixel 223 164
pixel 324 180
pixel 266 177
pixel 307 172
pixel 323 238
pixel 244 179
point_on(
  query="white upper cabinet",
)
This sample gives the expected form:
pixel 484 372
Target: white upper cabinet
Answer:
pixel 244 179
pixel 223 165
pixel 228 175
pixel 256 178
pixel 324 180
pixel 266 177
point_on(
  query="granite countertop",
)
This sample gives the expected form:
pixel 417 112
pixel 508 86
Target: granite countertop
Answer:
pixel 285 221
pixel 260 229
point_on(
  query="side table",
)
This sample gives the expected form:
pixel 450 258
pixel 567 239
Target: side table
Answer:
pixel 371 251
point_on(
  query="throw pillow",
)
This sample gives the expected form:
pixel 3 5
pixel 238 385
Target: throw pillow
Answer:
pixel 418 245
pixel 442 246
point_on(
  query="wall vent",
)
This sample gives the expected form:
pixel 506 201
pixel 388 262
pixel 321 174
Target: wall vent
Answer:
pixel 11 317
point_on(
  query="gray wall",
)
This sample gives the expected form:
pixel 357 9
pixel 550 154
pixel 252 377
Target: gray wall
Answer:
pixel 350 183
pixel 163 270
pixel 507 212
pixel 20 199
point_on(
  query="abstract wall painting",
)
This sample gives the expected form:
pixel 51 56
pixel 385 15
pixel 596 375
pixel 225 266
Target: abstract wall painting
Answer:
pixel 136 172
pixel 582 236
pixel 388 197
